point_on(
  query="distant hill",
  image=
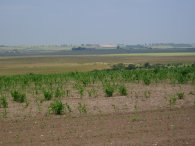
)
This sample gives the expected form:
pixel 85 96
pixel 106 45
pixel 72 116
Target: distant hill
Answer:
pixel 171 45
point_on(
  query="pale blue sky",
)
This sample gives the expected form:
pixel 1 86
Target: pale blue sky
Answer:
pixel 96 21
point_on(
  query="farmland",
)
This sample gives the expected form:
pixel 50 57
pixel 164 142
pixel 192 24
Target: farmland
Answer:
pixel 98 100
pixel 61 64
pixel 97 73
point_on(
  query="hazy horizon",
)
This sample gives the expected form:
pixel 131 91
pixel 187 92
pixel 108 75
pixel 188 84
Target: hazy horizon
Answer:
pixel 49 22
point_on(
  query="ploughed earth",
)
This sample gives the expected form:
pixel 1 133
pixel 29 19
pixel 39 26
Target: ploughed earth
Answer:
pixel 154 115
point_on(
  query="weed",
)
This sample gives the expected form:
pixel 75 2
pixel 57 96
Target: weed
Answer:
pixel 26 103
pixel 56 107
pixel 122 90
pixel 47 95
pixel 4 114
pixel 18 96
pixel 38 103
pixel 180 95
pixel 172 100
pixel 135 107
pixel 80 88
pixel 67 93
pixel 3 102
pixel 191 93
pixel 58 93
pixel 81 91
pixel 147 94
pixel 67 108
pixel 115 108
pixel 92 93
pixel 82 108
pixel 135 117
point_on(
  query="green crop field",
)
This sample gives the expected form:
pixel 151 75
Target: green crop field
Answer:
pixel 24 88
pixel 111 80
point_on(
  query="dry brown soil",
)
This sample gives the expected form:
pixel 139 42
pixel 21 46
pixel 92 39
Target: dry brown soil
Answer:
pixel 174 127
pixel 120 120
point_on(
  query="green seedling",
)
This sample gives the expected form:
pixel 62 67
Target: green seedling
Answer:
pixel 56 107
pixel 122 90
pixel 109 90
pixel 47 95
pixel 80 88
pixel 18 96
pixel 3 102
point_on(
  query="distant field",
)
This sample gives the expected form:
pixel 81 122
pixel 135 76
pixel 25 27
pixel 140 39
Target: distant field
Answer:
pixel 47 48
pixel 155 54
pixel 60 64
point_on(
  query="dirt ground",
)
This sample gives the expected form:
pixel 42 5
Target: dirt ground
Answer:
pixel 144 117
pixel 174 127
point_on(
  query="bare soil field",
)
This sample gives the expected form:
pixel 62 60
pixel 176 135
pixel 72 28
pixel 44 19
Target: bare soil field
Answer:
pixel 161 127
pixel 146 116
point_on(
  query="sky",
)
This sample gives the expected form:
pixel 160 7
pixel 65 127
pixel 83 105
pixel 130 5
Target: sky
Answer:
pixel 43 22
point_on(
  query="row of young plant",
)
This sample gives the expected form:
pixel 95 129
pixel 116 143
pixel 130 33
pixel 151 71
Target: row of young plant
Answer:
pixel 108 88
pixel 39 82
pixel 62 84
pixel 58 108
pixel 177 75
